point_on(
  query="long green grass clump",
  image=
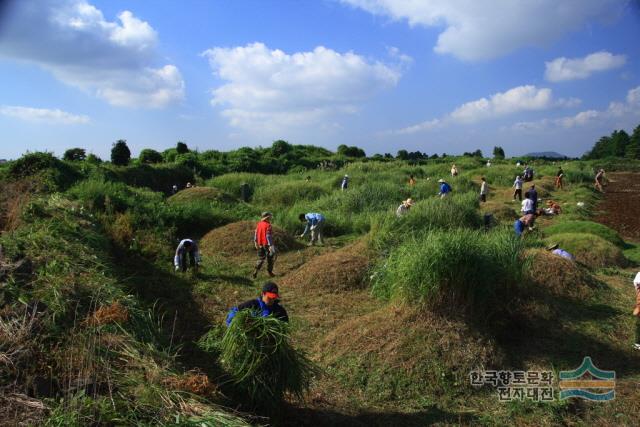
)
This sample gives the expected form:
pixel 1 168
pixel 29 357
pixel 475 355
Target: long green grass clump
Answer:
pixel 257 354
pixel 460 270
pixel 588 227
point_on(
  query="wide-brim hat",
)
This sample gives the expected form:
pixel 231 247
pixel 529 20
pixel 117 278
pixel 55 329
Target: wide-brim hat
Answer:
pixel 409 202
pixel 266 215
pixel 441 180
pixel 552 246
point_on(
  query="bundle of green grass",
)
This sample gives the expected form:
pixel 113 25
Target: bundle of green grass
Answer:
pixel 257 354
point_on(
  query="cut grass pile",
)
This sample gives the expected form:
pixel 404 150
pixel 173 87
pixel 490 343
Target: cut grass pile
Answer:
pixel 236 239
pixel 588 227
pixel 558 275
pixel 460 271
pixel 344 269
pixel 256 352
pixel 589 249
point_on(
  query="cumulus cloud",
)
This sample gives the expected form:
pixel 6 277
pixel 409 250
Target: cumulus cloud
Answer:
pixel 270 90
pixel 515 100
pixel 628 108
pixel 115 60
pixel 43 115
pixel 562 69
pixel 472 30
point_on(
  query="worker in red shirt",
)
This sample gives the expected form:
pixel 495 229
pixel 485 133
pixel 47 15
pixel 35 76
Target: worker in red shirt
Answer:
pixel 263 241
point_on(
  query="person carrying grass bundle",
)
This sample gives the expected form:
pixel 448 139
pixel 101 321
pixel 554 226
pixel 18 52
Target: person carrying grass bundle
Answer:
pixel 404 207
pixel 445 188
pixel 263 242
pixel 186 248
pixel 315 224
pixel 266 304
pixel 636 310
pixel 517 184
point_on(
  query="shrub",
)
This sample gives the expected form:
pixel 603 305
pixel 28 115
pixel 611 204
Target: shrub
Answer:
pixel 150 156
pixel 51 173
pixel 458 270
pixel 590 249
pixel 257 354
pixel 588 227
pixel 120 153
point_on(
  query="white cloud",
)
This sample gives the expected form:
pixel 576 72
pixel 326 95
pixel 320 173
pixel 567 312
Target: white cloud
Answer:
pixel 270 90
pixel 515 100
pixel 474 30
pixel 43 115
pixel 615 110
pixel 562 69
pixel 73 40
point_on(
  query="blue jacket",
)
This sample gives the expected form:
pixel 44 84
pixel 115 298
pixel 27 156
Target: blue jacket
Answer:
pixel 312 219
pixel 445 188
pixel 258 306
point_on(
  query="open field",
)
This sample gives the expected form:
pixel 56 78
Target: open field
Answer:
pixel 394 312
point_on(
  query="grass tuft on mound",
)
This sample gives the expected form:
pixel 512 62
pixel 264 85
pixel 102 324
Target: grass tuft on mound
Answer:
pixel 558 275
pixel 257 354
pixel 588 227
pixel 236 239
pixel 590 250
pixel 201 194
pixel 462 271
pixel 344 269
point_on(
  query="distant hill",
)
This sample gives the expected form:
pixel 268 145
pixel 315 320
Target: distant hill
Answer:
pixel 549 154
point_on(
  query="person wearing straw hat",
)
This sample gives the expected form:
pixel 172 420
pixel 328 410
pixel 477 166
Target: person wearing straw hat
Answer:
pixel 445 188
pixel 263 241
pixel 315 224
pixel 404 207
pixel 266 304
pixel 555 249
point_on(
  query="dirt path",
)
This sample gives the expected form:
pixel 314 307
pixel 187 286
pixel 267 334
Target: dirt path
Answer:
pixel 620 208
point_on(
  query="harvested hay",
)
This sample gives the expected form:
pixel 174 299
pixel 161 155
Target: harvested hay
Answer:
pixel 344 269
pixel 590 250
pixel 191 382
pixel 201 194
pixel 113 313
pixel 386 350
pixel 236 239
pixel 557 275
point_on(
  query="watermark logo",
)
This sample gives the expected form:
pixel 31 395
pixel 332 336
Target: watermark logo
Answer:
pixel 588 382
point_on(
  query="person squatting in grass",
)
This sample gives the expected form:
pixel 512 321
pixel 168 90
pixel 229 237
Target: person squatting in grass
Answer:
pixel 265 305
pixel 263 242
pixel 555 249
pixel 527 204
pixel 445 188
pixel 186 247
pixel 404 207
pixel 315 224
pixel 454 170
pixel 517 184
pixel 636 310
pixel 525 221
pixel 559 178
pixel 412 181
pixel 484 190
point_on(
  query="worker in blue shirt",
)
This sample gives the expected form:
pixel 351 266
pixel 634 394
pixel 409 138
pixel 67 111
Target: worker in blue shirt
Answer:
pixel 445 188
pixel 265 305
pixel 315 224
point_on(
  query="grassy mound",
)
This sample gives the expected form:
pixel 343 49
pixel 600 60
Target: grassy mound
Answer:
pixel 288 193
pixel 346 268
pixel 557 275
pixel 588 227
pixel 589 249
pixel 236 239
pixel 457 270
pixel 381 354
pixel 201 194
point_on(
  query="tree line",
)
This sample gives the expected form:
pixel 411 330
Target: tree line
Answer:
pixel 618 144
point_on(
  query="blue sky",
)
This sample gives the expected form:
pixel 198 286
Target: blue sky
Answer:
pixel 433 75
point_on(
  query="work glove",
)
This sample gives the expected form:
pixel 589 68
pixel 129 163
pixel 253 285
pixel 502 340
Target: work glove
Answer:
pixel 177 267
pixel 272 250
pixel 256 246
pixel 301 236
